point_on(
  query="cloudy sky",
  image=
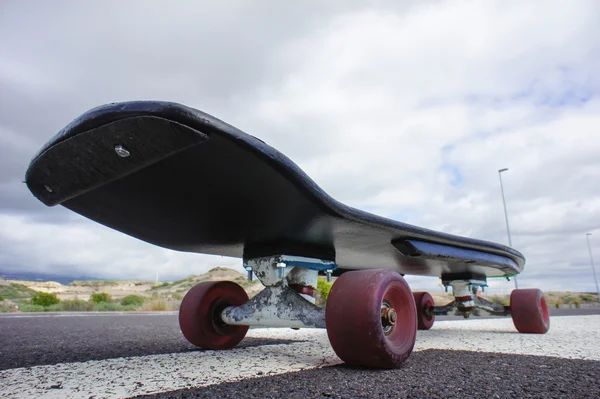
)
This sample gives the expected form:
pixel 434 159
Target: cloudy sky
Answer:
pixel 405 109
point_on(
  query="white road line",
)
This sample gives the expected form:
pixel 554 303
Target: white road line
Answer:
pixel 572 337
pixel 569 337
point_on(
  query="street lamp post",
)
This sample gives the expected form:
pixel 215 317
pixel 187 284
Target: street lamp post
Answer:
pixel 506 215
pixel 587 236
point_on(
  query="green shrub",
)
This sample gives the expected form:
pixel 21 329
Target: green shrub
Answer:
pixel 57 307
pixel 31 308
pixel 4 308
pixel 16 291
pixel 587 298
pixel 323 288
pixel 557 304
pixel 107 307
pixel 160 285
pixel 134 300
pixel 576 303
pixel 100 297
pixel 1 298
pixel 499 300
pixel 177 296
pixel 76 305
pixel 44 299
pixel 130 307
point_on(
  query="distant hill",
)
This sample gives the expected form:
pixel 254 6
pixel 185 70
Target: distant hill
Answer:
pixel 41 277
pixel 180 287
pixel 81 288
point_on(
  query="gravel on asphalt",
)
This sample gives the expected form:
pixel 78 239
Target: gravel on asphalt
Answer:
pixel 37 341
pixel 427 374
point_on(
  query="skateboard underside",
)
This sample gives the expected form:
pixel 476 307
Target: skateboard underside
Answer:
pixel 181 179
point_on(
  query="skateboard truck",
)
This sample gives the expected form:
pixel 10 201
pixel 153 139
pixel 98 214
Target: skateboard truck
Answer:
pixel 466 301
pixel 288 298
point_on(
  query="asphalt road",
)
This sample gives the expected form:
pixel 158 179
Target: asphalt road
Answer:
pixel 427 374
pixel 51 339
pixel 43 339
pixel 33 339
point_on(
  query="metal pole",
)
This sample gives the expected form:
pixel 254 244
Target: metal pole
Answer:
pixel 587 236
pixel 506 216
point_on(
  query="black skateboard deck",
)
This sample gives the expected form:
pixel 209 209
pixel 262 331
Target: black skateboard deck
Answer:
pixel 181 179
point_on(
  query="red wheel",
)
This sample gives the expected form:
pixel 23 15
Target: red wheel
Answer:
pixel 529 311
pixel 371 318
pixel 200 315
pixel 423 301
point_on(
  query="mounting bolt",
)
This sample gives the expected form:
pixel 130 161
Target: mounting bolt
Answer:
pixel 328 274
pixel 48 189
pixel 249 270
pixel 122 151
pixel 281 266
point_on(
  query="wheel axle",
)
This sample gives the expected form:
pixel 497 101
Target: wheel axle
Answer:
pixel 388 317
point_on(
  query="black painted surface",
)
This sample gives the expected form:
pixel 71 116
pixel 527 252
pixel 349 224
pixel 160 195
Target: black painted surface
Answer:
pixel 228 194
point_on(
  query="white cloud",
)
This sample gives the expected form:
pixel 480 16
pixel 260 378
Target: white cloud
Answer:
pixel 407 112
pixel 414 114
pixel 85 248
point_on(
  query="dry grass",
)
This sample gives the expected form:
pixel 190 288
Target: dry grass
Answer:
pixel 161 304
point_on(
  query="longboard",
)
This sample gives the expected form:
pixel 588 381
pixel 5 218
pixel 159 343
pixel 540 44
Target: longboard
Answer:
pixel 181 179
pixel 178 178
